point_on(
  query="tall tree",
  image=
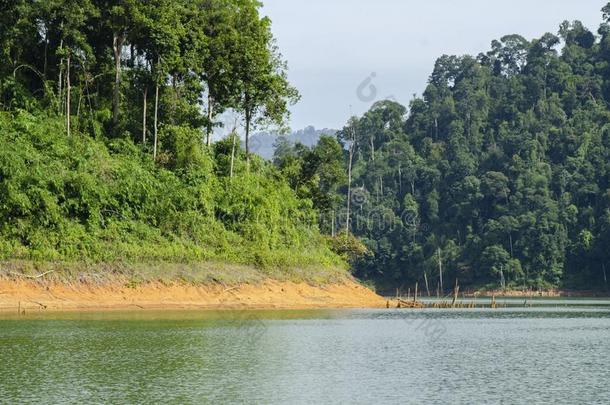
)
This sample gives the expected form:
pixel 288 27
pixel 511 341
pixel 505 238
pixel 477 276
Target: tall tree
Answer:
pixel 264 90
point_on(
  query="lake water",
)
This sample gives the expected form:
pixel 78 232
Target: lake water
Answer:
pixel 545 354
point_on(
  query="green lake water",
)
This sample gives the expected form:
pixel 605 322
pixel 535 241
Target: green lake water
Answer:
pixel 558 353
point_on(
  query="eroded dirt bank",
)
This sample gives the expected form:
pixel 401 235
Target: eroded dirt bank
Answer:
pixel 33 295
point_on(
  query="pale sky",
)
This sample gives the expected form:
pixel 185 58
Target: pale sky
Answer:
pixel 332 46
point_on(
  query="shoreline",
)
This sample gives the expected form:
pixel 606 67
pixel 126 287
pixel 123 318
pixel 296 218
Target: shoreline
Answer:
pixel 40 296
pixel 554 293
pixel 558 293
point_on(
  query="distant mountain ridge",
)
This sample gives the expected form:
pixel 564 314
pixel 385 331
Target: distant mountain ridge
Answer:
pixel 263 143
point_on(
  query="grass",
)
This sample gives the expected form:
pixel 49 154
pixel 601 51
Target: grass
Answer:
pixel 132 275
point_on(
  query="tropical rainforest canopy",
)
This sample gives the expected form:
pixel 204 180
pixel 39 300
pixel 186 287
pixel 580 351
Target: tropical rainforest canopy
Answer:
pixel 498 174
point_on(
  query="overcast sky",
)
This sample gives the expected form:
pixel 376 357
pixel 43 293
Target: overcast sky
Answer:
pixel 333 46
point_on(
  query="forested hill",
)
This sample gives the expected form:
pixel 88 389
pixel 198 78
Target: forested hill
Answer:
pixel 106 112
pixel 500 172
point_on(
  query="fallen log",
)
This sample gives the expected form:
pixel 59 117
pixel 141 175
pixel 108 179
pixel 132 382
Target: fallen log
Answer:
pixel 32 277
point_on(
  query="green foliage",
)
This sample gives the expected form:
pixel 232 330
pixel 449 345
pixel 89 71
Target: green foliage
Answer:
pixel 315 173
pixel 131 77
pixel 348 247
pixel 81 199
pixel 500 171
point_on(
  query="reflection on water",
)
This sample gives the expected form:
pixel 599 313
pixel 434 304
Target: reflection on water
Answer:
pixel 539 355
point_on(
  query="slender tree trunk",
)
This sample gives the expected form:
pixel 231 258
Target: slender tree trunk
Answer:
pixel 234 136
pixel 156 131
pixel 248 117
pixel 68 91
pixel 502 279
pixel 46 53
pixel 156 122
pixel 349 187
pixel 80 100
pixel 399 179
pixel 440 270
pixel 117 47
pixel 426 281
pixel 174 99
pixel 144 110
pixel 456 291
pixel 60 97
pixel 208 140
pixel 89 99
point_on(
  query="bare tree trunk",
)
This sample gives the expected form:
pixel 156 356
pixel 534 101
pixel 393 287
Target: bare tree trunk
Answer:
pixel 60 80
pixel 426 281
pixel 68 91
pixel 144 108
pixel 456 292
pixel 174 99
pixel 208 140
pixel 248 117
pixel 156 123
pixel 46 53
pixel 117 48
pixel 156 120
pixel 440 270
pixel 80 100
pixel 349 181
pixel 234 136
pixel 502 279
pixel 349 192
pixel 399 179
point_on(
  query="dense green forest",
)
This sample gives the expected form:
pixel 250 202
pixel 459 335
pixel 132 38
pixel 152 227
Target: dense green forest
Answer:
pixel 498 175
pixel 106 112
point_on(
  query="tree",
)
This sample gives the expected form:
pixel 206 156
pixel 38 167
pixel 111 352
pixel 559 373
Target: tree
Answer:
pixel 264 91
pixel 72 16
pixel 221 46
pixel 495 259
pixel 159 32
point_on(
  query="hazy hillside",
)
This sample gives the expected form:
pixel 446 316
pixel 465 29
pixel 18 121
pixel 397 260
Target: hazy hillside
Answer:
pixel 263 143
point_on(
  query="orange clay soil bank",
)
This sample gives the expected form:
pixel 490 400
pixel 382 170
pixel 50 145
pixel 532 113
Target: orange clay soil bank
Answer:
pixel 31 295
